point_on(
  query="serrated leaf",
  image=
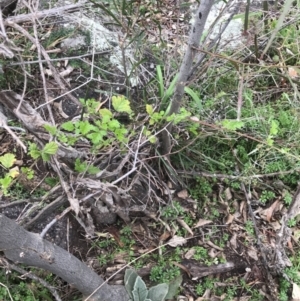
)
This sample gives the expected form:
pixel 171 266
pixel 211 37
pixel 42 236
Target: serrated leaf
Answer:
pixel 8 160
pixel 97 136
pixel 50 148
pixel 129 281
pixel 5 182
pixel 68 126
pixel 105 112
pixel 121 104
pixel 50 129
pixel 158 292
pixel 35 153
pixel 92 170
pixel 45 157
pixel 113 124
pixel 149 109
pixel 140 291
pixel 232 125
pixel 85 127
pixel 80 166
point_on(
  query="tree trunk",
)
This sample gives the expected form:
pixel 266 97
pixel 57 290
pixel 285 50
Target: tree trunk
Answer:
pixel 185 68
pixel 30 249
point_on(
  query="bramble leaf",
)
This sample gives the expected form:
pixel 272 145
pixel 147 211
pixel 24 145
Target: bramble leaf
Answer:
pixel 232 125
pixel 121 104
pixel 50 148
pixel 51 129
pixel 149 109
pixel 8 160
pixel 68 126
pixel 85 127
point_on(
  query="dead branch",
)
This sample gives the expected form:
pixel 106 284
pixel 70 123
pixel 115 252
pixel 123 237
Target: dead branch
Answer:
pixel 57 11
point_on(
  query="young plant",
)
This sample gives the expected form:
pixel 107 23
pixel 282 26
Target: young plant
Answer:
pixel 48 150
pixel 7 161
pixel 138 291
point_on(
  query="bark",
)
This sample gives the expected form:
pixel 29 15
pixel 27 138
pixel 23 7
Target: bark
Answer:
pixel 186 66
pixel 28 248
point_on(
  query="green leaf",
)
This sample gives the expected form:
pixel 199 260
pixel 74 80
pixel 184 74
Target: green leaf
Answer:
pixel 232 125
pixel 274 127
pixel 113 124
pixel 194 96
pixel 5 182
pixel 170 90
pixel 35 153
pixel 158 292
pixel 85 127
pixel 140 291
pixel 68 126
pixel 96 137
pixel 270 141
pixel 149 110
pixel 45 157
pixel 50 129
pixel 129 280
pixel 105 112
pixel 160 79
pixel 120 134
pixel 8 160
pixel 50 148
pixel 92 170
pixel 121 104
pixel 80 166
pixel 51 181
pixel 152 139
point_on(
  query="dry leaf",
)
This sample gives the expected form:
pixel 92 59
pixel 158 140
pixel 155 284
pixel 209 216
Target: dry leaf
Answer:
pixel 268 213
pixel 228 194
pixel 229 219
pixel 183 194
pixel 185 225
pixel 296 235
pixel 292 72
pixel 190 253
pixel 296 292
pixel 233 241
pixel 213 253
pixel 74 205
pixel 194 118
pixel 202 222
pixel 211 244
pixel 176 241
pixel 252 253
pixel 164 236
pixel 66 72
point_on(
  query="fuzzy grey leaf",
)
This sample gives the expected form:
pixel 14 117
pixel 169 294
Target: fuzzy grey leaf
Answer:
pixel 158 292
pixel 129 281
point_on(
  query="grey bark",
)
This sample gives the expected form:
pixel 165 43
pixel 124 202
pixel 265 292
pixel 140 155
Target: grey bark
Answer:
pixel 28 248
pixel 187 63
